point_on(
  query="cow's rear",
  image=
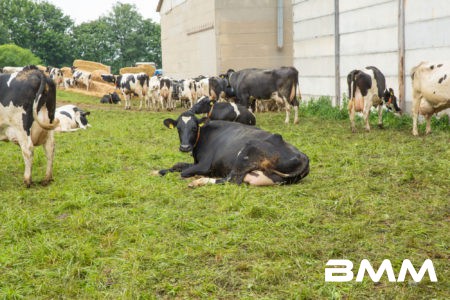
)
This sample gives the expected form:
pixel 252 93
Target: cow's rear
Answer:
pixel 27 115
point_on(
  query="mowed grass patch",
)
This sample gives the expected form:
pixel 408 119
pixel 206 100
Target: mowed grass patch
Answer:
pixel 106 228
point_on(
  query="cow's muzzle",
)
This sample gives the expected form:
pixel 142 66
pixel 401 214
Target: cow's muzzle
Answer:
pixel 185 148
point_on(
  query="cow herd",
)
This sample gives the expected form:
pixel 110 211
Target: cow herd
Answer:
pixel 225 144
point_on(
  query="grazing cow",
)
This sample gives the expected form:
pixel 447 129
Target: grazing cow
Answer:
pixel 237 153
pixel 367 88
pixel 431 91
pixel 10 70
pixel 68 82
pixel 165 93
pixel 109 78
pixel 82 77
pixel 111 98
pixel 27 115
pixel 224 111
pixel 188 93
pixel 278 84
pixel 133 84
pixel 71 118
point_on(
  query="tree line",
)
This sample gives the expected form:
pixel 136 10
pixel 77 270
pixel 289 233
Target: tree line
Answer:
pixel 120 38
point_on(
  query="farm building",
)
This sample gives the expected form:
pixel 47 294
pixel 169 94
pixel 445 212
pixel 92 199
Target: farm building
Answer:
pixel 323 39
pixel 209 37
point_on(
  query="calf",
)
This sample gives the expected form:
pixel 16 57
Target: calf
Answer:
pixel 82 78
pixel 71 118
pixel 431 91
pixel 367 88
pixel 27 116
pixel 188 93
pixel 236 153
pixel 111 98
pixel 133 84
pixel 224 111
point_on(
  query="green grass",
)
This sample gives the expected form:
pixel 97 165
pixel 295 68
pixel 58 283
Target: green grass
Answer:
pixel 106 228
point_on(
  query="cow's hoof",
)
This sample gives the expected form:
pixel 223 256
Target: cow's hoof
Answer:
pixel 296 122
pixel 46 182
pixel 380 126
pixel 156 173
pixel 27 183
pixel 353 130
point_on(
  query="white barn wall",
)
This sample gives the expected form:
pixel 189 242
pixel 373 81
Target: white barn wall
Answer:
pixel 368 36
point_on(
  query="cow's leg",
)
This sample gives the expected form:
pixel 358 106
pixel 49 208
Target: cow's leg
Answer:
pixel 178 167
pixel 428 128
pixel 196 169
pixel 49 149
pixel 351 113
pixel 295 104
pixel 141 98
pixel 415 112
pixel 27 152
pixel 366 111
pixel 380 116
pixel 288 112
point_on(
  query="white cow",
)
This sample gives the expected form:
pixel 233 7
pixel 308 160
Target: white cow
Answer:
pixel 82 77
pixel 431 91
pixel 153 92
pixel 188 92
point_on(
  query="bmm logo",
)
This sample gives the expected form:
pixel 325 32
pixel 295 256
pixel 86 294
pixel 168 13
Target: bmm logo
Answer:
pixel 346 274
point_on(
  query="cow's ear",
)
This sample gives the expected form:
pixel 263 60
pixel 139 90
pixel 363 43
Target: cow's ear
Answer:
pixel 170 123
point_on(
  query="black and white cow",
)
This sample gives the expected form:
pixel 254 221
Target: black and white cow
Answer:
pixel 56 74
pixel 367 88
pixel 81 77
pixel 431 91
pixel 278 84
pixel 71 118
pixel 236 153
pixel 111 98
pixel 130 84
pixel 224 111
pixel 218 88
pixel 27 115
pixel 188 93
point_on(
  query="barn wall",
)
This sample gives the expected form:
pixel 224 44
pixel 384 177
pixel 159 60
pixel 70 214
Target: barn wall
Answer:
pixel 187 38
pixel 246 34
pixel 368 36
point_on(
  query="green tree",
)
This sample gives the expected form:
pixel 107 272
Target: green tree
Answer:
pixel 40 27
pixel 15 56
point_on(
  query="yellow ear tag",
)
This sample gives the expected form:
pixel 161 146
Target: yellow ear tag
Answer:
pixel 171 126
pixel 211 103
pixel 201 124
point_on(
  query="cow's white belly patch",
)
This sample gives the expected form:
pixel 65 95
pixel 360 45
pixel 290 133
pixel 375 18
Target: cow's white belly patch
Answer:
pixel 235 108
pixel 10 122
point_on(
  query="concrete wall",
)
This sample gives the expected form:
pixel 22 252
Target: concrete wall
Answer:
pixel 368 36
pixel 209 37
pixel 188 38
pixel 246 33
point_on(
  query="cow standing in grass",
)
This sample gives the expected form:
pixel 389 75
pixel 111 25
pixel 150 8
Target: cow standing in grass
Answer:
pixel 367 88
pixel 27 115
pixel 431 91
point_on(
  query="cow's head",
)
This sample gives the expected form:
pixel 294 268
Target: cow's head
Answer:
pixel 391 101
pixel 80 117
pixel 188 127
pixel 203 105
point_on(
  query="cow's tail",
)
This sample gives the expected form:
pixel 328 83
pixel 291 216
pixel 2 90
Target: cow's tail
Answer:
pixel 44 125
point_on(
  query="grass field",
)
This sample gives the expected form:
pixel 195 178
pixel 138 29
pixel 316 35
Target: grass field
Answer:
pixel 106 228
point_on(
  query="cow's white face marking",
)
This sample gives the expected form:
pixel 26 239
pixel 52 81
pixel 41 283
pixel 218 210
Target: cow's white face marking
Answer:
pixel 13 75
pixel 186 119
pixel 236 110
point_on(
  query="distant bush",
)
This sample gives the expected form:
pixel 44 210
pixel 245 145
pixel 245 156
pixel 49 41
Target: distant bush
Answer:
pixel 15 56
pixel 322 107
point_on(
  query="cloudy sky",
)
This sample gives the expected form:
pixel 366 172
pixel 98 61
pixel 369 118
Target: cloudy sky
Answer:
pixel 88 10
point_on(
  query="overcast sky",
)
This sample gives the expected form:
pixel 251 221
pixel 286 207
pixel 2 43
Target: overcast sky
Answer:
pixel 87 10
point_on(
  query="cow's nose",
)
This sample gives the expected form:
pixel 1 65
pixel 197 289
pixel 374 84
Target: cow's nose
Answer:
pixel 185 148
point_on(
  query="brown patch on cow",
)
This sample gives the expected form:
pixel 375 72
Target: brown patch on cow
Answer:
pixel 439 65
pixel 432 67
pixel 442 78
pixel 359 104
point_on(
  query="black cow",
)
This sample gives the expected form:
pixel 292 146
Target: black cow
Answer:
pixel 27 115
pixel 109 78
pixel 278 84
pixel 367 88
pixel 218 87
pixel 237 153
pixel 224 111
pixel 111 98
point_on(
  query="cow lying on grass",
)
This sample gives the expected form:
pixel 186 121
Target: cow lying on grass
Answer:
pixel 71 118
pixel 233 152
pixel 27 115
